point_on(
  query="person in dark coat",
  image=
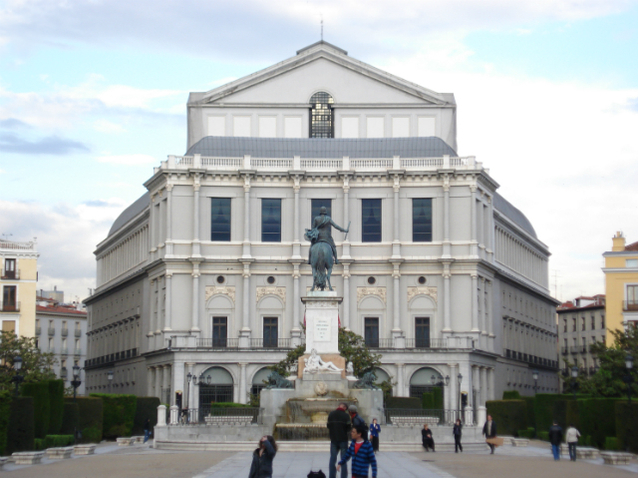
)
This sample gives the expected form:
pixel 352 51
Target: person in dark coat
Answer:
pixel 263 456
pixel 555 437
pixel 147 429
pixel 426 438
pixel 489 430
pixel 456 431
pixel 375 429
pixel 339 427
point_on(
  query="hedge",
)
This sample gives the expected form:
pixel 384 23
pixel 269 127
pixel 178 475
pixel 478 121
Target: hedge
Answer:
pixel 56 400
pixel 611 443
pixel 70 418
pixel 511 395
pixel 627 425
pixel 427 401
pixel 118 414
pixel 146 408
pixel 544 413
pixel 404 402
pixel 527 433
pixel 531 418
pixel 41 406
pixel 90 418
pixel 597 419
pixel 510 416
pixel 5 411
pixel 438 398
pixel 20 434
pixel 543 436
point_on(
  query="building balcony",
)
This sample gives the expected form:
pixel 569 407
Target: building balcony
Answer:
pixel 51 350
pixel 277 343
pixel 64 351
pixel 10 275
pixel 78 332
pixel 630 305
pixel 51 331
pixel 64 332
pixel 77 352
pixel 576 349
pixel 38 330
pixel 10 307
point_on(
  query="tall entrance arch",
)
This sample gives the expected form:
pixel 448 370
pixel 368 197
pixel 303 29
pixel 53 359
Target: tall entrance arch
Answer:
pixel 218 389
pixel 425 380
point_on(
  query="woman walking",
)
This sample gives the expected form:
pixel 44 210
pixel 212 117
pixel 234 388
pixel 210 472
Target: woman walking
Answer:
pixel 375 429
pixel 456 431
pixel 263 457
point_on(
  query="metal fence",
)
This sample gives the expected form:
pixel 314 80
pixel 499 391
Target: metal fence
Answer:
pixel 406 416
pixel 219 416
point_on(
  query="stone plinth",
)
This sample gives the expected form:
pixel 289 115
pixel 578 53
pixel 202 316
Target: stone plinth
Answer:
pixel 520 442
pixel 336 359
pixel 587 453
pixel 84 449
pixel 137 439
pixel 59 453
pixel 615 457
pixel 125 441
pixel 322 322
pixel 28 457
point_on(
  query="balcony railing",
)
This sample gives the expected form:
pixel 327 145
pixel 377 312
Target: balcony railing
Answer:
pixel 78 332
pixel 576 349
pixel 64 332
pixel 51 331
pixel 630 305
pixel 51 350
pixel 11 307
pixel 564 350
pixel 215 344
pixel 278 343
pixel 584 349
pixel 401 416
pixel 77 352
pixel 64 351
pixel 11 275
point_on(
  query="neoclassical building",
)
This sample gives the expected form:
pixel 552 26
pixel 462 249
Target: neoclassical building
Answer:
pixel 204 274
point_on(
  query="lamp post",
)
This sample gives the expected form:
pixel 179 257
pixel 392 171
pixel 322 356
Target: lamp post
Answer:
pixel 76 380
pixel 109 375
pixel 535 377
pixel 629 363
pixel 459 379
pixel 17 378
pixel 574 376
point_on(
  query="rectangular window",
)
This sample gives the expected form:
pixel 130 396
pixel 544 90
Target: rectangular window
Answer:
pixel 316 205
pixel 422 220
pixel 9 298
pixel 602 322
pixel 631 263
pixel 371 220
pixel 593 322
pixel 582 325
pixel 220 331
pixel 422 332
pixel 270 332
pixel 632 297
pixel 220 219
pixel 564 325
pixel 271 220
pixel 371 331
pixel 9 269
pixel 574 324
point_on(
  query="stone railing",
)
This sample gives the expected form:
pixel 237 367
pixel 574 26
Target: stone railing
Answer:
pixel 296 163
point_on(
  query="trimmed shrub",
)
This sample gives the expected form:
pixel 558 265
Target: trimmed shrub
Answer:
pixel 403 402
pixel 118 414
pixel 56 401
pixel 572 416
pixel 146 408
pixel 20 434
pixel 41 405
pixel 587 440
pixel 438 398
pixel 90 418
pixel 6 398
pixel 38 444
pixel 611 443
pixel 543 436
pixel 54 441
pixel 70 418
pixel 511 395
pixel 509 415
pixel 596 419
pixel 627 425
pixel 531 420
pixel 527 433
pixel 427 401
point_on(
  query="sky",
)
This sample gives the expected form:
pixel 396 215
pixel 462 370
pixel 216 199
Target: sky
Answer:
pixel 93 96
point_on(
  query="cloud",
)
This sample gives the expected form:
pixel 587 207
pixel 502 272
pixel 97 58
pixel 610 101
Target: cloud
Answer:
pixel 127 159
pixel 10 143
pixel 13 123
pixel 105 126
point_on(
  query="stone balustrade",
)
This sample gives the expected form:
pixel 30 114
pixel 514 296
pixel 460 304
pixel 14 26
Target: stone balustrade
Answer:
pixel 616 457
pixel 84 449
pixel 125 441
pixel 28 457
pixel 411 421
pixel 228 420
pixel 59 453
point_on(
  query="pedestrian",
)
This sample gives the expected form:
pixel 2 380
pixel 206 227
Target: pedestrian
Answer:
pixel 426 438
pixel 356 419
pixel 339 427
pixel 147 429
pixel 375 429
pixel 362 454
pixel 571 437
pixel 489 430
pixel 555 437
pixel 456 431
pixel 263 457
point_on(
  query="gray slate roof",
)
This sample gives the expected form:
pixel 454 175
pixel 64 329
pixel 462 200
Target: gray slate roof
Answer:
pixel 225 146
pixel 130 212
pixel 503 206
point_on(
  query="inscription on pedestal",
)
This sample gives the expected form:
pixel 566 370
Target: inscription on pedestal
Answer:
pixel 322 330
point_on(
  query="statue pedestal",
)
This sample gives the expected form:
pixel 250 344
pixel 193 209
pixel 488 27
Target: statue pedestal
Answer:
pixel 322 322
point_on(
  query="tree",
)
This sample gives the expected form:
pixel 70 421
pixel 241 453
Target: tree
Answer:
pixel 609 380
pixel 36 365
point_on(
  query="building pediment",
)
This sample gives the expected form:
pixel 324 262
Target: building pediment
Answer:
pixel 313 67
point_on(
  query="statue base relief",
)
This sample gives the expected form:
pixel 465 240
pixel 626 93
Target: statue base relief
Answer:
pixel 336 359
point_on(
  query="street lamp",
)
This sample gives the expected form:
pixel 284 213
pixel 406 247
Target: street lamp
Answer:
pixel 535 377
pixel 574 376
pixel 17 378
pixel 629 363
pixel 76 380
pixel 459 379
pixel 109 375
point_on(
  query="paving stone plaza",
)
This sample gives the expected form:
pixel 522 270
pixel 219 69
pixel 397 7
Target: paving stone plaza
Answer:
pixel 143 461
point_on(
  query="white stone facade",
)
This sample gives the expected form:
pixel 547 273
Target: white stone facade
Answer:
pixel 164 286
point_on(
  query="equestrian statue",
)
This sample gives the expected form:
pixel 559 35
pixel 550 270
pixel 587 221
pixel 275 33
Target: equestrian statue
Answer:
pixel 323 252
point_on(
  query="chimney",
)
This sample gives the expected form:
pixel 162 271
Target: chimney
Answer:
pixel 618 242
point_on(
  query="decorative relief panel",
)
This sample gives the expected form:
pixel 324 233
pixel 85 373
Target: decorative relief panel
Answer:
pixel 278 291
pixel 365 291
pixel 212 290
pixel 429 291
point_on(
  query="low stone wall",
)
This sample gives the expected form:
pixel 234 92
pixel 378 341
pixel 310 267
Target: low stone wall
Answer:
pixel 59 453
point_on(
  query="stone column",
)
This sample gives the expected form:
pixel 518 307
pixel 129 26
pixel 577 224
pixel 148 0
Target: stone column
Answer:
pixel 246 245
pixel 346 296
pixel 446 297
pixel 346 217
pixel 195 298
pixel 166 382
pixel 169 219
pixel 401 379
pixel 296 302
pixel 150 376
pixel 446 216
pixel 159 371
pixel 169 295
pixel 296 244
pixel 454 388
pixel 190 387
pixel 490 311
pixel 243 391
pixel 475 299
pixel 490 383
pixel 196 244
pixel 476 385
pixel 473 240
pixel 483 381
pixel 396 300
pixel 244 333
pixel 396 239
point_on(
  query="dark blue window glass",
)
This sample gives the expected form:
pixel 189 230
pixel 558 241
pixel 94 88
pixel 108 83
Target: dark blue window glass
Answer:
pixel 220 219
pixel 422 220
pixel 316 204
pixel 371 220
pixel 271 220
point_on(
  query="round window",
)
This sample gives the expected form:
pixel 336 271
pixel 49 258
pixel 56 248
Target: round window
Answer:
pixel 371 280
pixel 221 279
pixel 271 279
pixel 421 280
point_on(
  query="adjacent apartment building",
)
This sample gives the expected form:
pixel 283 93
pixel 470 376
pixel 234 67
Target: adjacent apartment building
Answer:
pixel 204 273
pixel 621 285
pixel 19 261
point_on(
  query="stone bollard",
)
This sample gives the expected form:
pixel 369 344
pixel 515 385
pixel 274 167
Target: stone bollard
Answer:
pixel 161 416
pixel 469 415
pixel 174 415
pixel 481 416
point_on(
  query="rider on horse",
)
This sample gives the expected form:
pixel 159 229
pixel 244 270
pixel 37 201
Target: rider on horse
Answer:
pixel 322 232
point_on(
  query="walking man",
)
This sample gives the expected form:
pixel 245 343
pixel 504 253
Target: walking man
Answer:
pixel 571 437
pixel 489 430
pixel 339 427
pixel 555 437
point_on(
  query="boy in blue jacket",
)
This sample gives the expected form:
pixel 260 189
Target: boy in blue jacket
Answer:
pixel 362 454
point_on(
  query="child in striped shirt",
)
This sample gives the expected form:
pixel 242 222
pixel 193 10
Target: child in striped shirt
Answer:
pixel 362 454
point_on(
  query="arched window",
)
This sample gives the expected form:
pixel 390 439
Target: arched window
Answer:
pixel 321 117
pixel 218 389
